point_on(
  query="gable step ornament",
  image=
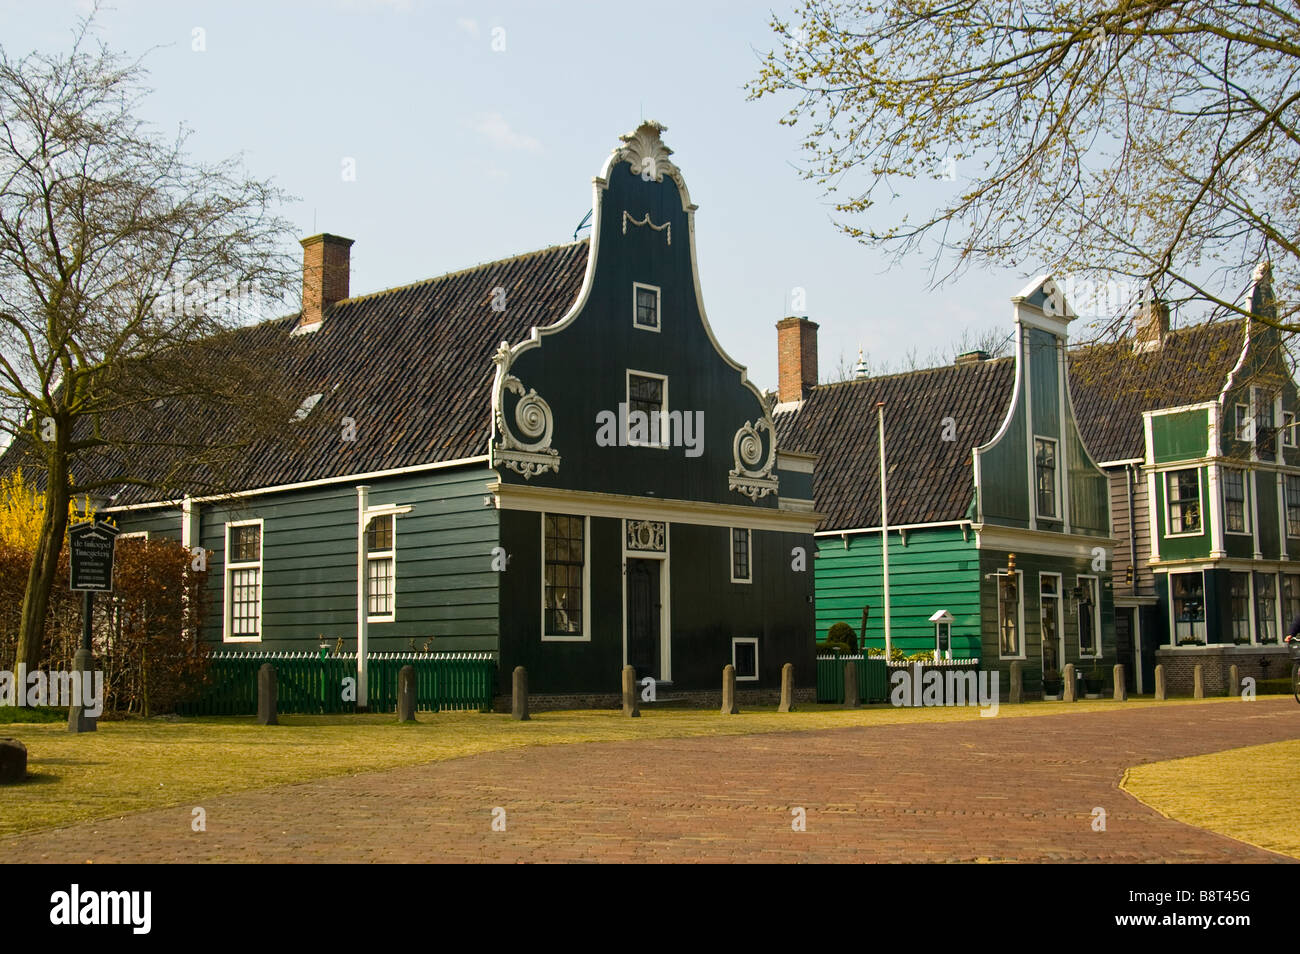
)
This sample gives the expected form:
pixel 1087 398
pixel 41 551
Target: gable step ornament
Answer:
pixel 748 477
pixel 531 454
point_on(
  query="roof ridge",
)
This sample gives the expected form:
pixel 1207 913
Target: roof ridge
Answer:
pixel 915 371
pixel 458 272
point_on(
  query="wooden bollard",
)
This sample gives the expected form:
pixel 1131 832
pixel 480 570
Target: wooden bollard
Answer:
pixel 519 697
pixel 1016 692
pixel 1071 684
pixel 787 688
pixel 1234 680
pixel 630 707
pixel 266 695
pixel 729 690
pixel 1121 690
pixel 1198 682
pixel 1160 682
pixel 406 694
pixel 851 700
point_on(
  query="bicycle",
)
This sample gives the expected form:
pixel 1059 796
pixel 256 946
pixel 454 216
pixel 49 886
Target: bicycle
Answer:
pixel 1293 644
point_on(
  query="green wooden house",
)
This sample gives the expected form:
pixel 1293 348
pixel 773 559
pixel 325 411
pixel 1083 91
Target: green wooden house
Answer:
pixel 548 457
pixel 1196 428
pixel 996 512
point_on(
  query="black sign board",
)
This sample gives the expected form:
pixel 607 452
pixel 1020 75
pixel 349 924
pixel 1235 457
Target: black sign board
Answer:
pixel 91 552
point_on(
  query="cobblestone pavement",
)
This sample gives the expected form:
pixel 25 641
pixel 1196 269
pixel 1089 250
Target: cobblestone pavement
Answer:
pixel 998 789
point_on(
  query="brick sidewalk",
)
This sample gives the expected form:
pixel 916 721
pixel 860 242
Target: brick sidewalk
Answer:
pixel 997 789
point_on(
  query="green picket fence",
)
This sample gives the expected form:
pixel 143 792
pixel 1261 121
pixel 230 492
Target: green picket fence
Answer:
pixel 307 683
pixel 873 678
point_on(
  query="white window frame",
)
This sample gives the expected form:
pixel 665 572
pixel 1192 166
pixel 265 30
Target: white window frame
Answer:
pixel 1245 500
pixel 659 312
pixel 1056 478
pixel 745 639
pixel 1288 429
pixel 1250 606
pixel 1020 613
pixel 1169 503
pixel 1255 576
pixel 228 595
pixel 1286 499
pixel 1204 635
pixel 1095 592
pixel 374 556
pixel 585 635
pixel 664 435
pixel 1242 428
pixel 731 553
pixel 1059 597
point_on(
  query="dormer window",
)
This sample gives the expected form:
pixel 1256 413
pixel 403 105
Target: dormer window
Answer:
pixel 1045 474
pixel 645 307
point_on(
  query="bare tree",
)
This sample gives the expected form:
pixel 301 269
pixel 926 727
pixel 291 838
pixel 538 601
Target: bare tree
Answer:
pixel 124 268
pixel 1144 145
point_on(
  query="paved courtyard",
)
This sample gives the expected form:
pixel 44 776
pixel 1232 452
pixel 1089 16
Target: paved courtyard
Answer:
pixel 993 789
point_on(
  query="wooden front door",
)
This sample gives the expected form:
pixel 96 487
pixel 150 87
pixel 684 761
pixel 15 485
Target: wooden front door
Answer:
pixel 643 645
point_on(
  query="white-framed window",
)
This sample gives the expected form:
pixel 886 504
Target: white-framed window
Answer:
pixel 1290 598
pixel 1045 477
pixel 1266 607
pixel 1239 606
pixel 243 596
pixel 1011 616
pixel 1266 434
pixel 744 656
pixel 1241 425
pixel 645 306
pixel 742 570
pixel 1089 607
pixel 1187 606
pixel 1183 499
pixel 133 535
pixel 381 568
pixel 566 586
pixel 1292 492
pixel 647 409
pixel 1288 429
pixel 1236 518
pixel 1049 604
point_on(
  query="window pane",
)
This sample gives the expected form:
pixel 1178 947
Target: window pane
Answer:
pixel 246 544
pixel 1189 606
pixel 1292 506
pixel 1045 466
pixel 379 535
pixel 1184 491
pixel 1008 615
pixel 739 554
pixel 746 660
pixel 647 308
pixel 380 578
pixel 562 599
pixel 1239 587
pixel 1266 607
pixel 1234 500
pixel 245 602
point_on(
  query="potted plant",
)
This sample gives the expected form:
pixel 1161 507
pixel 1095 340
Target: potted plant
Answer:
pixel 1053 684
pixel 1093 681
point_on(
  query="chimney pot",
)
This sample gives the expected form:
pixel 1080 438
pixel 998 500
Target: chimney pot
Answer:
pixel 326 268
pixel 796 358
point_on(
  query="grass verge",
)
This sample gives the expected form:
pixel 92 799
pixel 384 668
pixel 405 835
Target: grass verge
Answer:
pixel 1251 794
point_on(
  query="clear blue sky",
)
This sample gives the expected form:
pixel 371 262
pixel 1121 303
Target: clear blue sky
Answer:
pixel 464 154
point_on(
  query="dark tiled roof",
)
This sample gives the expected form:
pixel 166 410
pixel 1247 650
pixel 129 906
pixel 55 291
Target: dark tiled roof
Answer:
pixel 930 479
pixel 1111 384
pixel 412 366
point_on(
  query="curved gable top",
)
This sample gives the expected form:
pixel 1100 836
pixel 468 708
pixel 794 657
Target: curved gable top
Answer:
pixel 643 153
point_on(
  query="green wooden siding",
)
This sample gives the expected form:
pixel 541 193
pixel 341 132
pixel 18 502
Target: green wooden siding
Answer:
pixel 937 569
pixel 1181 436
pixel 159 522
pixel 445 586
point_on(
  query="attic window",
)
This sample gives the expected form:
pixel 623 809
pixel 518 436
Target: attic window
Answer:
pixel 307 406
pixel 645 305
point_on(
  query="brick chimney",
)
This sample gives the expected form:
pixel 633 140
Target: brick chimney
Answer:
pixel 325 270
pixel 1151 325
pixel 796 358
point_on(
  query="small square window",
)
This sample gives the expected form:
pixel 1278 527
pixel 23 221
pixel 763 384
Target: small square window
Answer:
pixel 379 535
pixel 246 544
pixel 645 301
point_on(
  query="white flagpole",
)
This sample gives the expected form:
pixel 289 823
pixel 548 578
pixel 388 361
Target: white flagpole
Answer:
pixel 884 523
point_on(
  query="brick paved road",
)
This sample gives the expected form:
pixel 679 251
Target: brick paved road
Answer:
pixel 1000 789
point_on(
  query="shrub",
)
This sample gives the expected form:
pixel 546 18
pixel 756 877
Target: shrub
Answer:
pixel 833 648
pixel 926 656
pixel 843 633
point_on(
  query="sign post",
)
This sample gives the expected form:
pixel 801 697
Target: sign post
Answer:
pixel 91 548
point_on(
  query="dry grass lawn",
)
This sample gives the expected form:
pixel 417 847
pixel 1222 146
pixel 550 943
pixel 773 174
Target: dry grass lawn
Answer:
pixel 136 765
pixel 1251 794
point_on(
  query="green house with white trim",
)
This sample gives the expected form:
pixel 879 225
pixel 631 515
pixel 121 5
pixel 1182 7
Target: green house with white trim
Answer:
pixel 996 511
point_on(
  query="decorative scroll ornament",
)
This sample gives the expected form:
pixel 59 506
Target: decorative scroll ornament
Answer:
pixel 647 536
pixel 752 475
pixel 530 454
pixel 667 226
pixel 645 152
